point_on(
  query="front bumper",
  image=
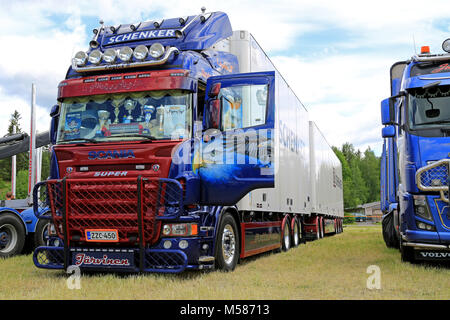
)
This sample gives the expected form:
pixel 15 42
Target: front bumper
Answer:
pixel 116 260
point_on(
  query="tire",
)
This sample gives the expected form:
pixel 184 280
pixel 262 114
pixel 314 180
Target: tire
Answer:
pixel 12 235
pixel 40 237
pixel 389 234
pixel 286 235
pixel 296 233
pixel 227 244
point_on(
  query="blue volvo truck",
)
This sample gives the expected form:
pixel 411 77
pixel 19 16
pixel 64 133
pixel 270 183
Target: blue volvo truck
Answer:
pixel 415 157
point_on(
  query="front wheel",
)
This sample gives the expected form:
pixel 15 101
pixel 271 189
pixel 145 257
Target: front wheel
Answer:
pixel 12 235
pixel 227 244
pixel 41 233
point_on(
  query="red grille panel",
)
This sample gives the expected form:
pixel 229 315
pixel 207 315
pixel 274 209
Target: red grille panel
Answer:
pixel 113 204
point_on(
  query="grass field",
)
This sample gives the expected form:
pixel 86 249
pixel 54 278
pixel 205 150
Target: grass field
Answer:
pixel 331 268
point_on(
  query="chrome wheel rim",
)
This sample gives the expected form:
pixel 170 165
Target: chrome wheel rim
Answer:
pixel 8 236
pixel 286 237
pixel 228 244
pixel 296 237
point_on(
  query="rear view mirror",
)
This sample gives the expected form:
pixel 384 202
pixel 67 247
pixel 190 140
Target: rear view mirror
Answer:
pixel 388 132
pixel 214 114
pixel 388 111
pixel 54 111
pixel 215 90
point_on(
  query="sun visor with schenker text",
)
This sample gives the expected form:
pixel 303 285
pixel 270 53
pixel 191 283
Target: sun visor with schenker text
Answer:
pixel 195 33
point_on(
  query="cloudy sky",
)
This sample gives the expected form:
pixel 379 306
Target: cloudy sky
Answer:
pixel 335 55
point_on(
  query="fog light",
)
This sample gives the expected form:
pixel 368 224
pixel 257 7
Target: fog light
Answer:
pixel 183 244
pixel 205 246
pixel 167 244
pixel 421 225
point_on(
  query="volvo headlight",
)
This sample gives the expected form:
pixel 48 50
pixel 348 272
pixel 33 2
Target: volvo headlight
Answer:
pixel 95 57
pixel 125 53
pixel 421 207
pixel 156 50
pixel 80 58
pixel 109 56
pixel 140 52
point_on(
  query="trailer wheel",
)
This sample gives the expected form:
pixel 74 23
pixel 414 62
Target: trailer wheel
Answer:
pixel 41 233
pixel 12 235
pixel 286 237
pixel 227 244
pixel 296 233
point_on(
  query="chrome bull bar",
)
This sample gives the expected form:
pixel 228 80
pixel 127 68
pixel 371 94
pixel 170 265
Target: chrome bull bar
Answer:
pixel 434 178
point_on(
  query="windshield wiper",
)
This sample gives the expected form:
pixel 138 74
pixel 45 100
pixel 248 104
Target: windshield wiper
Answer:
pixel 147 136
pixel 434 122
pixel 80 140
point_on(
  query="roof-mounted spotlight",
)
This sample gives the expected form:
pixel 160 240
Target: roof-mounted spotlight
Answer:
pixel 140 52
pixel 95 57
pixel 446 45
pixel 125 54
pixel 157 24
pixel 80 58
pixel 113 29
pixel 156 50
pixel 109 55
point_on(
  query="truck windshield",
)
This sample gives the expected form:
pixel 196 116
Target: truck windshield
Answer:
pixel 429 108
pixel 158 115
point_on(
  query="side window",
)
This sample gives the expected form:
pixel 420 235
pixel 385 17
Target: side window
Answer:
pixel 243 106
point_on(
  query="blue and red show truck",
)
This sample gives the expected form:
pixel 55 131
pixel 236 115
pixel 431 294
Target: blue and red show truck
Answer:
pixel 177 145
pixel 415 157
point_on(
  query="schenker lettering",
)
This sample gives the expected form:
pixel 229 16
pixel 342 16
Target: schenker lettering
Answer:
pixel 82 258
pixel 150 34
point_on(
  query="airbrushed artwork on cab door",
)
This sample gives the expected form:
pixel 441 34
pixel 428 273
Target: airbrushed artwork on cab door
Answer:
pixel 239 157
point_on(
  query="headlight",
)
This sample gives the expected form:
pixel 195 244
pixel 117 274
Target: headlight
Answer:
pixel 125 53
pixel 425 226
pixel 446 45
pixel 95 57
pixel 140 52
pixel 167 230
pixel 80 58
pixel 180 229
pixel 109 56
pixel 156 50
pixel 421 207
